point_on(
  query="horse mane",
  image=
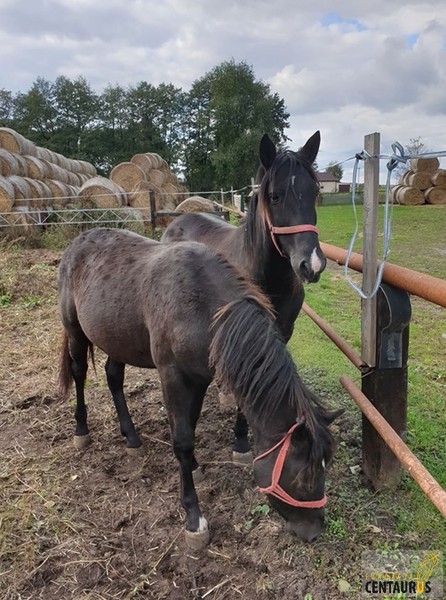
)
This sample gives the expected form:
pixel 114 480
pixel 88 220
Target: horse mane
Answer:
pixel 255 245
pixel 251 361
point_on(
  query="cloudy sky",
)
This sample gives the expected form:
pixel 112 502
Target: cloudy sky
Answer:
pixel 347 68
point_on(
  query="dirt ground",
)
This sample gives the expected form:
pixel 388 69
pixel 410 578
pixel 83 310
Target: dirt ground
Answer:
pixel 99 524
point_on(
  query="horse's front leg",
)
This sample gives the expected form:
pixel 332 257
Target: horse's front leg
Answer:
pixel 183 402
pixel 241 454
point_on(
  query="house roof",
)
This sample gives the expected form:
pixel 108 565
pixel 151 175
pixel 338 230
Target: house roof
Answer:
pixel 325 176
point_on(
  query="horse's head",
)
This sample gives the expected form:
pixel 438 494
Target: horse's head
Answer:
pixel 292 474
pixel 287 203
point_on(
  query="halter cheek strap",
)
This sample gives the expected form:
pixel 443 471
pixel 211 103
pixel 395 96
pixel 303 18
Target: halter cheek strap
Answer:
pixel 275 489
pixel 286 231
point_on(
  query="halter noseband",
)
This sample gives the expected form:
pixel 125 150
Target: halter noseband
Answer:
pixel 275 489
pixel 287 230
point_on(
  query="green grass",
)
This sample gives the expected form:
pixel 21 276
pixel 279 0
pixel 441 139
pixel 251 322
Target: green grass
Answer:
pixel 418 242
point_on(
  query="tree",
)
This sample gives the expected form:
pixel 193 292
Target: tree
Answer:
pixel 336 170
pixel 6 108
pixel 236 109
pixel 77 107
pixel 35 113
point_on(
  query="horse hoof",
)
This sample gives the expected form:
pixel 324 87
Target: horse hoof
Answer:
pixel 81 441
pixel 198 475
pixel 197 540
pixel 139 451
pixel 242 459
pixel 227 401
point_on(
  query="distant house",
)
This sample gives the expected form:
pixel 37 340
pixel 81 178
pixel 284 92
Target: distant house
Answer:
pixel 329 184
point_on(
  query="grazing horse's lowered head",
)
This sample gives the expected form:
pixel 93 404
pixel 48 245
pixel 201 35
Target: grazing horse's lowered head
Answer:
pixel 285 205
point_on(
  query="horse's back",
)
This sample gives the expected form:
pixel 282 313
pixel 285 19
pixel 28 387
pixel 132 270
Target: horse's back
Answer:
pixel 143 302
pixel 209 229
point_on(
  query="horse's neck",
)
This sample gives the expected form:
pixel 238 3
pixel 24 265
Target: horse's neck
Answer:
pixel 276 277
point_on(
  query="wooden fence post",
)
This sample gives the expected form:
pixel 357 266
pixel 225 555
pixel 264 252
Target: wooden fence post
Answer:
pixel 370 247
pixel 385 385
pixel 384 340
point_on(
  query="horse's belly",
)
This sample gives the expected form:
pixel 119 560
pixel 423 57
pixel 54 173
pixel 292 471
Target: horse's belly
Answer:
pixel 122 337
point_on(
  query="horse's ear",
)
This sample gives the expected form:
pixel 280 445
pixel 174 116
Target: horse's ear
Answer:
pixel 311 148
pixel 331 415
pixel 267 152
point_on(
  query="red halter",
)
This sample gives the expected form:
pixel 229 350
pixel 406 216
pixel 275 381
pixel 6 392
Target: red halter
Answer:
pixel 275 489
pixel 287 230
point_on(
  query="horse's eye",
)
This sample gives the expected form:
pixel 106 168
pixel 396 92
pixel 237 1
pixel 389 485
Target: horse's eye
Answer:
pixel 275 198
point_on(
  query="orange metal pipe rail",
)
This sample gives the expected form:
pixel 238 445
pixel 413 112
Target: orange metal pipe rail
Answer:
pixel 421 285
pixel 429 485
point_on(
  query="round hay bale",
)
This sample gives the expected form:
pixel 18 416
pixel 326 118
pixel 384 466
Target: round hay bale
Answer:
pixel 405 176
pixel 9 164
pixel 439 178
pixel 22 190
pixel 157 177
pixel 157 161
pixel 174 192
pixel 100 192
pixel 409 195
pixel 7 195
pixel 83 177
pixel 435 195
pixel 38 168
pixel 195 204
pixel 73 178
pixel 45 154
pixel 36 193
pixel 139 197
pixel 15 142
pixel 394 193
pixel 86 168
pixel 60 191
pixel 127 175
pixel 425 164
pixel 145 162
pixel 164 167
pixel 419 179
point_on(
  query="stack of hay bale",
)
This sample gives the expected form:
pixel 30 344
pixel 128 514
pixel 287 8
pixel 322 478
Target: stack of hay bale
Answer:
pixel 144 173
pixel 35 179
pixel 424 183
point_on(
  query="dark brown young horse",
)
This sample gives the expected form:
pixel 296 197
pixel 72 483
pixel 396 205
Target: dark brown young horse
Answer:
pixel 189 313
pixel 277 243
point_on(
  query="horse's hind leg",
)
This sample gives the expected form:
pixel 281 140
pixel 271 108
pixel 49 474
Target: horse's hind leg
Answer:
pixel 115 379
pixel 78 349
pixel 241 454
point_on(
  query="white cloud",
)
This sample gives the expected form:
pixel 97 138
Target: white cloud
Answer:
pixel 347 69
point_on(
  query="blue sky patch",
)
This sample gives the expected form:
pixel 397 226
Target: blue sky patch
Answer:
pixel 346 24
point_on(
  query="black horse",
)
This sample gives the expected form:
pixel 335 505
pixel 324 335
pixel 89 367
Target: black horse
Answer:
pixel 276 244
pixel 189 313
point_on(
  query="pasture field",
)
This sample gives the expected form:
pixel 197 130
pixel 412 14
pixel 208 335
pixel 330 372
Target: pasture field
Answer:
pixel 99 524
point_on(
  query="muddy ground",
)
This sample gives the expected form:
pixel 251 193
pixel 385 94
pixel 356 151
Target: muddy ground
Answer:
pixel 99 524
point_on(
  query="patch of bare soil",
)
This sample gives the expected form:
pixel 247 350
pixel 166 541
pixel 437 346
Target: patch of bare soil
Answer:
pixel 99 524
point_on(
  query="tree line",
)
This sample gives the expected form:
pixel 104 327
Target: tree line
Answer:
pixel 209 135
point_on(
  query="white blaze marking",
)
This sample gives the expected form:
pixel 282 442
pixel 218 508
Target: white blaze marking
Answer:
pixel 315 261
pixel 323 463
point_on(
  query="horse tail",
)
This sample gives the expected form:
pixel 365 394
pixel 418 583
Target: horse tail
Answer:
pixel 65 372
